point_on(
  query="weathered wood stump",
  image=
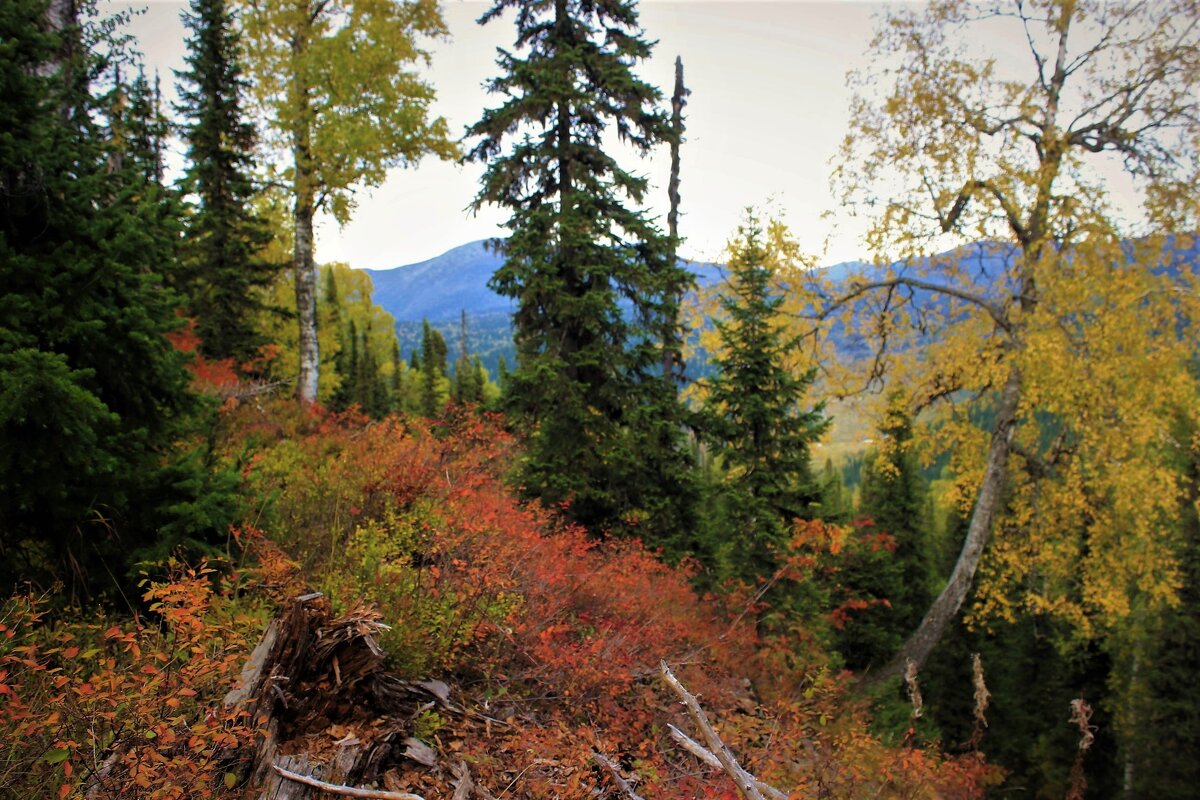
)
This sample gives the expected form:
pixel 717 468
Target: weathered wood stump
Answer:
pixel 325 706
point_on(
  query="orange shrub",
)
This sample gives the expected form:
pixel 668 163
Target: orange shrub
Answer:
pixel 123 711
pixel 561 634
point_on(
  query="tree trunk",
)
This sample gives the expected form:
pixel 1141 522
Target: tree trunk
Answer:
pixel 306 302
pixel 672 357
pixel 979 531
pixel 678 101
pixel 302 254
pixel 61 17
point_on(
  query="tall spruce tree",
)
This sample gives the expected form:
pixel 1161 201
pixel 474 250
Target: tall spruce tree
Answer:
pixel 223 271
pixel 93 396
pixel 592 276
pixel 755 417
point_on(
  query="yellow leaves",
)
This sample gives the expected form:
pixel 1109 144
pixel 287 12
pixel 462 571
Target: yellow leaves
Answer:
pixel 341 93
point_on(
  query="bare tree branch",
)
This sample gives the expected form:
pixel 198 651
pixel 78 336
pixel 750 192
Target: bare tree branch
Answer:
pixel 859 289
pixel 964 196
pixel 746 783
pixel 624 785
pixel 345 791
pixel 701 752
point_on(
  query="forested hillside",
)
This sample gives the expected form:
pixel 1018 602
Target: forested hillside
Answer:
pixel 567 515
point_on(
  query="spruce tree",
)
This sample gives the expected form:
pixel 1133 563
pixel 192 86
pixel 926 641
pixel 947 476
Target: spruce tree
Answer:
pixel 347 351
pixel 396 384
pixel 433 367
pixel 1160 733
pixel 591 275
pixel 372 394
pixel 93 397
pixel 895 499
pixel 755 418
pixel 350 390
pixel 223 272
pixel 462 391
pixel 893 504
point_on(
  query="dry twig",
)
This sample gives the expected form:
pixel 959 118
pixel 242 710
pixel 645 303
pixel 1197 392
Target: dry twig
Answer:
pixel 624 785
pixel 345 791
pixel 746 783
pixel 701 752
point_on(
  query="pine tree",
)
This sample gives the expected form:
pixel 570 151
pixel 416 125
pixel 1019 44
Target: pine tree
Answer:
pixel 754 416
pixel 93 397
pixel 588 388
pixel 223 273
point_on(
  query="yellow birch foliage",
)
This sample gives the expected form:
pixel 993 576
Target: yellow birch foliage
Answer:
pixel 1070 299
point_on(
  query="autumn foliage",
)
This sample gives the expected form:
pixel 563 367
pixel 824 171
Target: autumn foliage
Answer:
pixel 551 638
pixel 124 711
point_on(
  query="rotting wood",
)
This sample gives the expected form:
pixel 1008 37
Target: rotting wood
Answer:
pixel 312 671
pixel 464 786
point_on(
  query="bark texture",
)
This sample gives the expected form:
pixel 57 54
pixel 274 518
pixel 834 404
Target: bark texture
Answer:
pixel 979 532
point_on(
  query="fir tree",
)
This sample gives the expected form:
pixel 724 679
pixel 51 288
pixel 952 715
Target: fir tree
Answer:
pixel 224 272
pixel 93 397
pixel 754 416
pixel 588 387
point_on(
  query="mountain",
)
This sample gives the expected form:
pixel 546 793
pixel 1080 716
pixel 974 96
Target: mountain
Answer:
pixel 441 288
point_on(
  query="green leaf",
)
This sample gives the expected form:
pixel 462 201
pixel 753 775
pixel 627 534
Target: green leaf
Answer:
pixel 231 780
pixel 57 755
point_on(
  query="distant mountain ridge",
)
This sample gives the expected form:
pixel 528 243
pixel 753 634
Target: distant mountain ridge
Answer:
pixel 440 289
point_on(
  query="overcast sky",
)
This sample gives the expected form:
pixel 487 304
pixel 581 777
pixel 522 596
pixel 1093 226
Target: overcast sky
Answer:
pixel 767 112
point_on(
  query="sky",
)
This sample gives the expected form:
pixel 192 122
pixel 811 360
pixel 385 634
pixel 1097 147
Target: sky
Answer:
pixel 767 113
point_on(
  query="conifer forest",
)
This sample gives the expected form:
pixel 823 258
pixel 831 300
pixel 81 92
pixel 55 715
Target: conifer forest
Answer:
pixel 652 522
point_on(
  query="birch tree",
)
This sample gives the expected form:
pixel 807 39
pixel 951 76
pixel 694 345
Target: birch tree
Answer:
pixel 1070 329
pixel 344 101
